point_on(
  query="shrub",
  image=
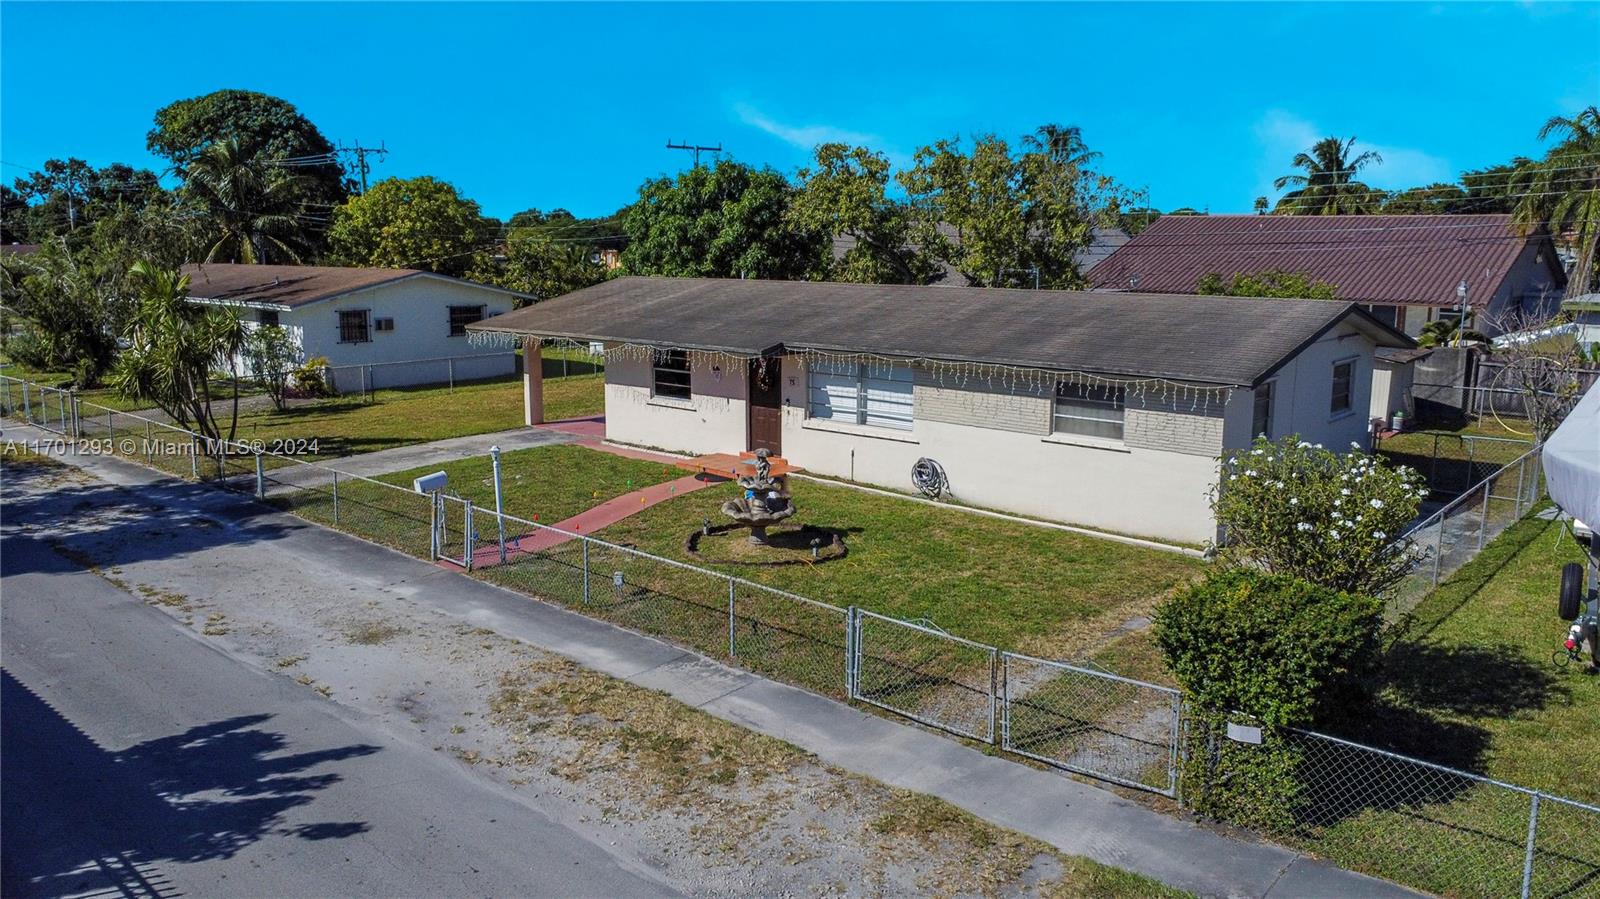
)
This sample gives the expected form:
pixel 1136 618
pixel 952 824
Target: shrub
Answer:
pixel 1265 649
pixel 309 379
pixel 1333 519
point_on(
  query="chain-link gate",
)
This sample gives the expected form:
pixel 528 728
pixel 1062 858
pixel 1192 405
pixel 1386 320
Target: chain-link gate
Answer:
pixel 924 674
pixel 453 539
pixel 1091 722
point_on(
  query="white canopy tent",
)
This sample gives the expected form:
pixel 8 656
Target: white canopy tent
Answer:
pixel 1572 460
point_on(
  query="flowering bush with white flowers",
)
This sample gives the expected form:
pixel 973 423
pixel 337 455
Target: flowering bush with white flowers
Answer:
pixel 1330 518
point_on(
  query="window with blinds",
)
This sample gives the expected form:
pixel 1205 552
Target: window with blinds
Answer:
pixel 1089 410
pixel 879 395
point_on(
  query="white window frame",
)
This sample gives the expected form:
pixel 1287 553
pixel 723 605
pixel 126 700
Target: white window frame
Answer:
pixel 1114 399
pixel 873 392
pixel 1271 388
pixel 1350 391
pixel 657 369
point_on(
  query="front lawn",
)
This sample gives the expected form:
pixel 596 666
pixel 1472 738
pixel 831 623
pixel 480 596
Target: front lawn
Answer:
pixel 545 483
pixel 1016 586
pixel 347 425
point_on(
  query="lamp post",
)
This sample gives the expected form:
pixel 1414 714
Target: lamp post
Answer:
pixel 499 508
pixel 1461 303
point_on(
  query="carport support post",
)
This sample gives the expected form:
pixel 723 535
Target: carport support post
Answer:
pixel 532 382
pixel 499 508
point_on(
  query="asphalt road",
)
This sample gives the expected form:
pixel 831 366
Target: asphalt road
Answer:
pixel 136 760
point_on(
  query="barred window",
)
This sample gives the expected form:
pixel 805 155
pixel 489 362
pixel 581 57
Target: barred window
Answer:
pixel 1261 421
pixel 671 374
pixel 267 317
pixel 1342 373
pixel 1092 411
pixel 353 327
pixel 461 316
pixel 879 395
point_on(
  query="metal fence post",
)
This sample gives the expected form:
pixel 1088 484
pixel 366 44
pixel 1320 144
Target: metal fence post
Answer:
pixel 1527 857
pixel 194 458
pixel 77 414
pixel 149 443
pixel 1005 701
pixel 1472 468
pixel 1438 551
pixel 994 691
pixel 1522 473
pixel 336 504
pixel 61 409
pixel 468 536
pixel 435 509
pixel 27 404
pixel 261 478
pixel 585 541
pixel 1483 520
pixel 852 651
pixel 733 639
pixel 452 363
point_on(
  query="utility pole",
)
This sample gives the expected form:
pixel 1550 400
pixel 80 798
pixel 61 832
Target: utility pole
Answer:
pixel 696 149
pixel 360 153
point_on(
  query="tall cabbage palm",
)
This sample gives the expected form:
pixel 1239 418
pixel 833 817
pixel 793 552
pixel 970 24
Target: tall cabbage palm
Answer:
pixel 173 347
pixel 251 208
pixel 1329 185
pixel 1563 191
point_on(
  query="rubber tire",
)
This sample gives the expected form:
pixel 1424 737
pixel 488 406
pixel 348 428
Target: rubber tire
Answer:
pixel 1571 591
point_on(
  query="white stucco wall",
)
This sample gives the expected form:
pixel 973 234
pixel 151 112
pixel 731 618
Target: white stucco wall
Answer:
pixel 994 440
pixel 712 420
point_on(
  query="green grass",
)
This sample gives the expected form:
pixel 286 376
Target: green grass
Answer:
pixel 347 425
pixel 1012 585
pixel 102 396
pixel 551 482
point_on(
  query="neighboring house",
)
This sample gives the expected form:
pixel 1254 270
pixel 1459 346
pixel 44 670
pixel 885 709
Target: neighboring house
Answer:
pixel 1393 375
pixel 1406 269
pixel 1101 410
pixel 365 320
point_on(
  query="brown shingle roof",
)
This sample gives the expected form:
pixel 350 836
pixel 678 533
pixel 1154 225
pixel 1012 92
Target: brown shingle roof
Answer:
pixel 292 286
pixel 1392 259
pixel 1217 340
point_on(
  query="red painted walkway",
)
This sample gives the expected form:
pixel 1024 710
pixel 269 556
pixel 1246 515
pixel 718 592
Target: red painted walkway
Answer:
pixel 591 431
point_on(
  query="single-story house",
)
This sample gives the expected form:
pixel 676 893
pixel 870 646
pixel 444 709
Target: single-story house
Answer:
pixel 1096 409
pixel 377 327
pixel 1407 270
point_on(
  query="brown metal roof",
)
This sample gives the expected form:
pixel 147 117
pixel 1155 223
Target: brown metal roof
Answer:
pixel 1215 340
pixel 1388 259
pixel 292 286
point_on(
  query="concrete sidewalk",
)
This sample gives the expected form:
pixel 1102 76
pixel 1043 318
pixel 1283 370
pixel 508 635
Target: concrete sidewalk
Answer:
pixel 418 455
pixel 1070 815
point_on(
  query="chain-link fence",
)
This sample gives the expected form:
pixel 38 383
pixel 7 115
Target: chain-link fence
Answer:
pixel 1456 533
pixel 1091 722
pixel 1421 824
pixel 46 407
pixel 1452 463
pixel 925 674
pixel 1430 826
pixel 447 371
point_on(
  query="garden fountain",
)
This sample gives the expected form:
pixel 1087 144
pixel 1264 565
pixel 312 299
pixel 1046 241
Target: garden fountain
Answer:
pixel 765 501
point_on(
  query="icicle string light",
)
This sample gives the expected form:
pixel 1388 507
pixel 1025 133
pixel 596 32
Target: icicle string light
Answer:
pixel 1178 395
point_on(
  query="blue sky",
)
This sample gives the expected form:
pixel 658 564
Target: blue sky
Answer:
pixel 552 105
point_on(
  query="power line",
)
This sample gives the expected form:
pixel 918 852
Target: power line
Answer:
pixel 695 148
pixel 360 153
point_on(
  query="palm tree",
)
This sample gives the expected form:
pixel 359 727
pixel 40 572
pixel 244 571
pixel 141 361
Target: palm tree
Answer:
pixel 1329 185
pixel 1563 191
pixel 1063 144
pixel 251 210
pixel 173 347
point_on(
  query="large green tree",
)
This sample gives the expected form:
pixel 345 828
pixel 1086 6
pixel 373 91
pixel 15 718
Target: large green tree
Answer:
pixel 65 197
pixel 1005 218
pixel 273 126
pixel 1327 183
pixel 251 213
pixel 531 264
pixel 1563 192
pixel 64 310
pixel 419 223
pixel 844 194
pixel 728 220
pixel 1275 283
pixel 1435 199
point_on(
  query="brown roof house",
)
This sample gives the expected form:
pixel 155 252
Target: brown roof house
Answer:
pixel 1102 410
pixel 1407 270
pixel 377 327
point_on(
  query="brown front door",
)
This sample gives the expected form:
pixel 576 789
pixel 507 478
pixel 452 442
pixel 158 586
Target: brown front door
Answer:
pixel 766 404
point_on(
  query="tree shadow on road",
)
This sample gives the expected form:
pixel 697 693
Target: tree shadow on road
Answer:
pixel 78 818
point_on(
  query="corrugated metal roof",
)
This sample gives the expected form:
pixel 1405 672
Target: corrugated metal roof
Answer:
pixel 1389 259
pixel 292 286
pixel 1218 340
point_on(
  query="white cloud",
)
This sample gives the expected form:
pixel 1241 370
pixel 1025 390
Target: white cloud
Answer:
pixel 805 137
pixel 1282 134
